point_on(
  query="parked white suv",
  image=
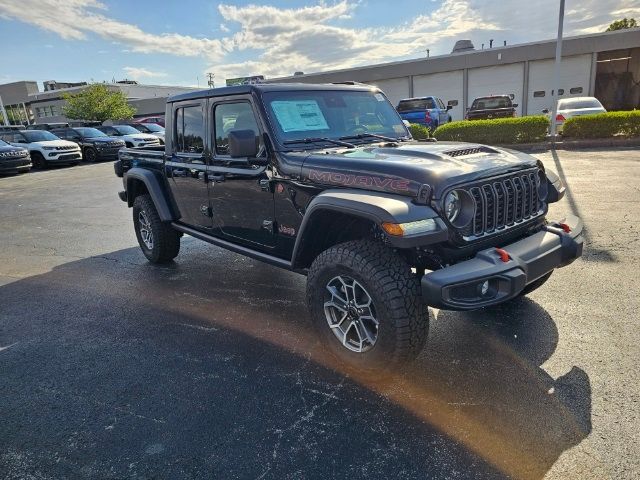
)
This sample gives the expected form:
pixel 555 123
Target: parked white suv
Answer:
pixel 152 129
pixel 45 148
pixel 131 136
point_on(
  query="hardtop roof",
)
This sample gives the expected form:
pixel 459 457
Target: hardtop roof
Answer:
pixel 267 87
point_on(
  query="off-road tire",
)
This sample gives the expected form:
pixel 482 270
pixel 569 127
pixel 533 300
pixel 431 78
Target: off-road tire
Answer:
pixel 535 284
pixel 38 161
pixel 395 291
pixel 166 240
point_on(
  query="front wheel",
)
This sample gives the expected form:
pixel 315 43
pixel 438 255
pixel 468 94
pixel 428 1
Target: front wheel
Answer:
pixel 90 154
pixel 366 305
pixel 159 242
pixel 38 160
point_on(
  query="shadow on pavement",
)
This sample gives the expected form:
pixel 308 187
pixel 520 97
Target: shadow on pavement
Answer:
pixel 207 368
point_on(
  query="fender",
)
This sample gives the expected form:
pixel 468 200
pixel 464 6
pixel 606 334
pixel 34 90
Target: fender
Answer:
pixel 377 207
pixel 156 190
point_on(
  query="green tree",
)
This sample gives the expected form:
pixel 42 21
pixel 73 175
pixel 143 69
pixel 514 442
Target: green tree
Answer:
pixel 97 102
pixel 622 24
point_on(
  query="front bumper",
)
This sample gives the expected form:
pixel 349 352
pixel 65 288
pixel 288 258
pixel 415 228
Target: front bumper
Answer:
pixel 67 157
pixel 15 165
pixel 460 286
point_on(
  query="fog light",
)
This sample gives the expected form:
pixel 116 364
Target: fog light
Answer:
pixel 484 288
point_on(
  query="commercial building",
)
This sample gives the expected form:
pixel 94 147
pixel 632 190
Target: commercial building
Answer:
pixel 604 65
pixel 25 104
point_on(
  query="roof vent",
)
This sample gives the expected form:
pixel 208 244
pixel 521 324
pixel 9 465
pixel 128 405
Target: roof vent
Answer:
pixel 462 46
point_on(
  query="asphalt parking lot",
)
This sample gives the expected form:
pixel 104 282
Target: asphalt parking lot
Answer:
pixel 112 368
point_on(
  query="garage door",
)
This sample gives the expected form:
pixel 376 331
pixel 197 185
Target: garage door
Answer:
pixel 394 88
pixel 498 80
pixel 446 86
pixel 575 73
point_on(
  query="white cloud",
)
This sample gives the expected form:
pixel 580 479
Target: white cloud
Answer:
pixel 279 41
pixel 75 19
pixel 138 72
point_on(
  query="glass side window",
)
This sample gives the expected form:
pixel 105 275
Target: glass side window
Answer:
pixel 189 129
pixel 233 116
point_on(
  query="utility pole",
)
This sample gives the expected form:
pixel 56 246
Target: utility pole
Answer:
pixel 556 72
pixel 428 51
pixel 210 81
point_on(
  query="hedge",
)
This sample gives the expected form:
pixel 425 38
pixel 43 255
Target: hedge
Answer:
pixel 419 132
pixel 603 125
pixel 497 131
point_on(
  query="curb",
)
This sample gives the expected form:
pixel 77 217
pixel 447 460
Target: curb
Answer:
pixel 576 144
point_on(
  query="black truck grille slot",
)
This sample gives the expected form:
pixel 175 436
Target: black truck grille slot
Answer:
pixel 503 202
pixel 469 151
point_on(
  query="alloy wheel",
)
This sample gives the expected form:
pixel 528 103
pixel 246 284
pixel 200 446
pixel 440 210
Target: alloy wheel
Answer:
pixel 351 314
pixel 145 230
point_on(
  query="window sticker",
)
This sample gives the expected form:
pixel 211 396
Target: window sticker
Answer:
pixel 379 97
pixel 299 115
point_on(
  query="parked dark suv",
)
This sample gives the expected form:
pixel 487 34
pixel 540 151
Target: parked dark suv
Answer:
pixel 493 106
pixel 95 145
pixel 13 159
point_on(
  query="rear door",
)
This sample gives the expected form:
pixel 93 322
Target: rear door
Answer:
pixel 186 165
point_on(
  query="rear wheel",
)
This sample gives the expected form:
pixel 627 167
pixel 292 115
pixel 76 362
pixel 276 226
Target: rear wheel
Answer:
pixel 366 306
pixel 159 242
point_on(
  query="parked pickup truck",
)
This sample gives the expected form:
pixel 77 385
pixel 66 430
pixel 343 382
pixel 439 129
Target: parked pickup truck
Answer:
pixel 494 106
pixel 326 181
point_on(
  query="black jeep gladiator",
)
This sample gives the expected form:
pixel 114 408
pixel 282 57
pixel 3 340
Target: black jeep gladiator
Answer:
pixel 325 180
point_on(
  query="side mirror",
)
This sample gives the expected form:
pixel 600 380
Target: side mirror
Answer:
pixel 449 107
pixel 545 110
pixel 243 144
pixel 514 105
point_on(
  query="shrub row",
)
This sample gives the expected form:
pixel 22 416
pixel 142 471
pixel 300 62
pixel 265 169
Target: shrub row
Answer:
pixel 419 132
pixel 497 131
pixel 603 125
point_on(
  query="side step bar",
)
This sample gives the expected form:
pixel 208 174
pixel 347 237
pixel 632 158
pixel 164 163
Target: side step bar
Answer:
pixel 264 257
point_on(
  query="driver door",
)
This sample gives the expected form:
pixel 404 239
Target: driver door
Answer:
pixel 242 203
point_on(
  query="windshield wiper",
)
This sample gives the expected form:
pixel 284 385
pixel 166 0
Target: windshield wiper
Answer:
pixel 320 139
pixel 361 136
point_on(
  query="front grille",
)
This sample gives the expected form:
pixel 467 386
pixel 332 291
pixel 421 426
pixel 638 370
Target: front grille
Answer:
pixel 69 156
pixel 503 202
pixel 70 147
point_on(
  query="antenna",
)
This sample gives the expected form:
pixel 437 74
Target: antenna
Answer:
pixel 210 80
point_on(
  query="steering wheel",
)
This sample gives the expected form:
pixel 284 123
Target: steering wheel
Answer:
pixel 358 129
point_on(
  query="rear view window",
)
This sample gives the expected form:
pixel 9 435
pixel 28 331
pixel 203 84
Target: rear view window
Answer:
pixel 189 129
pixel 491 102
pixel 578 103
pixel 416 104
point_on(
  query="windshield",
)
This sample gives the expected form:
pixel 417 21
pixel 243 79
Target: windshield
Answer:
pixel 578 103
pixel 416 104
pixel 332 114
pixel 39 135
pixel 491 102
pixel 90 132
pixel 126 130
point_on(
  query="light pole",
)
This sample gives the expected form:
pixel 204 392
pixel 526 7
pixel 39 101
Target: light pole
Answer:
pixel 5 118
pixel 556 72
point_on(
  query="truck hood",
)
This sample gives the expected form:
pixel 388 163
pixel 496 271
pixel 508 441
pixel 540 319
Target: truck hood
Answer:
pixel 405 168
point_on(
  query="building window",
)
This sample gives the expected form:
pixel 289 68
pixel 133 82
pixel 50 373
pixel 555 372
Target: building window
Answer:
pixel 453 103
pixel 561 91
pixel 575 90
pixel 538 93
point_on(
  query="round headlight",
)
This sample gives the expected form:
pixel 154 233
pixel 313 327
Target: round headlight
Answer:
pixel 452 205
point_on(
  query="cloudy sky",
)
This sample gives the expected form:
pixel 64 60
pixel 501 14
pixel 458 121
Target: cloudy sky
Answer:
pixel 178 42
